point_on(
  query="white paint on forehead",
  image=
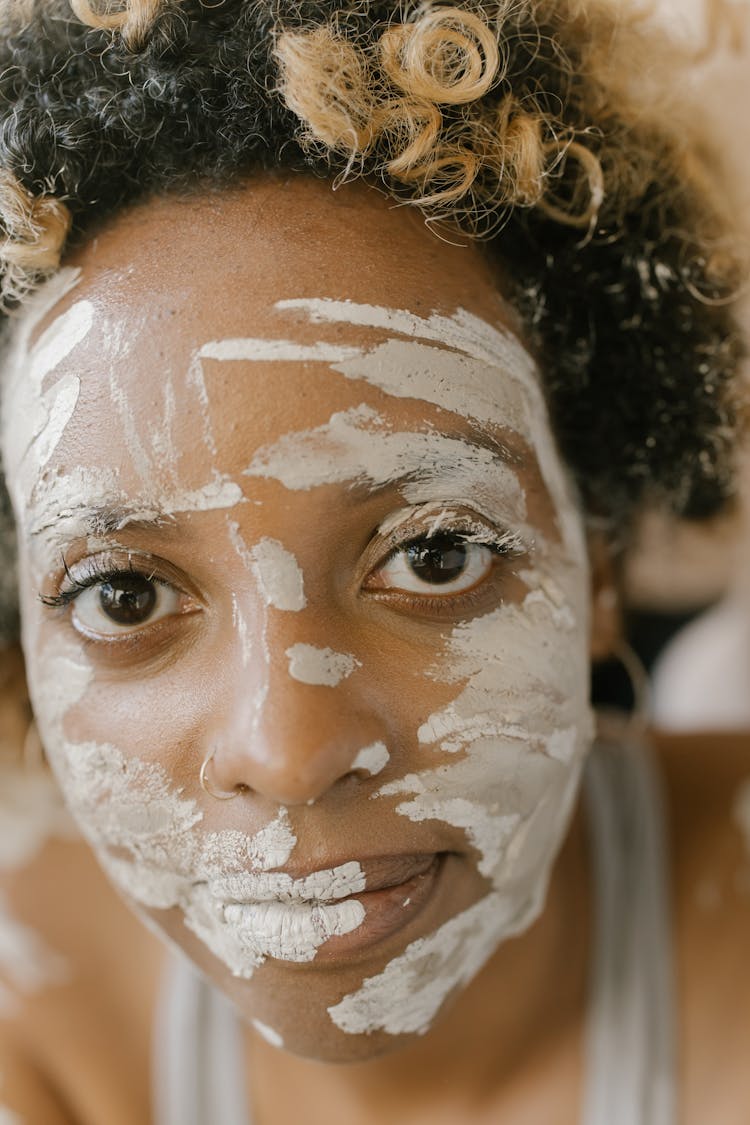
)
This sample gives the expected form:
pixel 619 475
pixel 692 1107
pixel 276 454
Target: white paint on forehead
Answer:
pixel 34 415
pixel 407 995
pixel 27 964
pixel 356 446
pixel 259 350
pixel 278 575
pixel 372 759
pixel 321 666
pixel 268 1033
pixel 64 504
pixel 470 379
pixel 9 1117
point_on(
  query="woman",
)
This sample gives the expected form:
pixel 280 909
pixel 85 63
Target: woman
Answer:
pixel 318 517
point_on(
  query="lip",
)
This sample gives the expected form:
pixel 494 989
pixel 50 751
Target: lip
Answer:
pixel 389 909
pixel 392 891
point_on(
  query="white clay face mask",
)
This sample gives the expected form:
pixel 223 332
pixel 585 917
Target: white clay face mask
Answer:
pixel 509 744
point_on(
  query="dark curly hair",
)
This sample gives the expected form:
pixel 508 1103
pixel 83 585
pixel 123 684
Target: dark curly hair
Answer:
pixel 545 127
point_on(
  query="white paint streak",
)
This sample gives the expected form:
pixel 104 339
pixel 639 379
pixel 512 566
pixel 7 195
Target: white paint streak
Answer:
pixel 372 759
pixel 322 666
pixel 278 575
pixel 407 995
pixel 148 838
pixel 260 350
pixel 355 446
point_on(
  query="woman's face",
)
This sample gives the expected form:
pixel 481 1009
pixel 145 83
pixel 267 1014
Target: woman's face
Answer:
pixel 284 465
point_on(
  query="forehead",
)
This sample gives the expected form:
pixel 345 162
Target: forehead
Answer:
pixel 209 326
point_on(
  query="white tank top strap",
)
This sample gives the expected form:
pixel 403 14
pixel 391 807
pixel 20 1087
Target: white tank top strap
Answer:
pixel 631 1053
pixel 198 1074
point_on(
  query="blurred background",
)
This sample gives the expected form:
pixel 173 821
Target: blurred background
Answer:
pixel 687 587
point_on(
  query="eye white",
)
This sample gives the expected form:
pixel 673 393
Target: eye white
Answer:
pixel 399 572
pixel 91 616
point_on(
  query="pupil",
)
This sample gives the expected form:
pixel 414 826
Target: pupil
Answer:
pixel 436 560
pixel 127 600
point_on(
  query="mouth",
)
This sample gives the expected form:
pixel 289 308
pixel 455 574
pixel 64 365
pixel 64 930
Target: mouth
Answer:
pixel 349 907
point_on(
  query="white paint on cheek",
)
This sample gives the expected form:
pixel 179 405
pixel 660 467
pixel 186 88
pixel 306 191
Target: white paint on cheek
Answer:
pixel 147 837
pixel 9 1117
pixel 407 995
pixel 372 759
pixel 27 964
pixel 322 666
pixel 268 1033
pixel 521 725
pixel 278 575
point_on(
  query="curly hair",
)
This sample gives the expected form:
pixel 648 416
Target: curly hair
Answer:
pixel 555 130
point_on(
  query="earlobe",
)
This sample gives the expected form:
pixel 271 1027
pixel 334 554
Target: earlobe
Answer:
pixel 606 604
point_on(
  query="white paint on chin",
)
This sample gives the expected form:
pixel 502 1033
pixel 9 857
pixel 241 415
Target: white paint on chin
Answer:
pixel 320 666
pixel 405 998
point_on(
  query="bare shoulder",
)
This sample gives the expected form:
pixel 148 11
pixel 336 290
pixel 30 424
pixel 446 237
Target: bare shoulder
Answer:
pixel 707 788
pixel 78 971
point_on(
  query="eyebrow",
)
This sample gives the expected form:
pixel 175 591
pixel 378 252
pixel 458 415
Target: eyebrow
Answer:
pixel 473 435
pixel 106 518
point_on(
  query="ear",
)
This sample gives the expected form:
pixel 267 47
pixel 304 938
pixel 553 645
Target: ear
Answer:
pixel 606 605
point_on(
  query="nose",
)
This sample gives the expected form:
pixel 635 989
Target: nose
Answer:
pixel 289 740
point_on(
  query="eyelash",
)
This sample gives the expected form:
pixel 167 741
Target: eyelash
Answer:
pixel 95 575
pixel 504 545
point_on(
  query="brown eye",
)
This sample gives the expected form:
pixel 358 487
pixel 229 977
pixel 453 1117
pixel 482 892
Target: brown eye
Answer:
pixel 128 599
pixel 437 565
pixel 123 603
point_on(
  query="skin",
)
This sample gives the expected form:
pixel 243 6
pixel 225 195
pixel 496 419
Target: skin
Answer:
pixel 271 719
pixel 302 751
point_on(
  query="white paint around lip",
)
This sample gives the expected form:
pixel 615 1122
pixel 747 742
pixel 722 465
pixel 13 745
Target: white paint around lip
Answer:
pixel 320 666
pixel 372 759
pixel 407 995
pixel 318 887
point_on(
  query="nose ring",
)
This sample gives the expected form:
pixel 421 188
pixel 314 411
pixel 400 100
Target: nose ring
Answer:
pixel 203 780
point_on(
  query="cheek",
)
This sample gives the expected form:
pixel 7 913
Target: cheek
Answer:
pixel 512 741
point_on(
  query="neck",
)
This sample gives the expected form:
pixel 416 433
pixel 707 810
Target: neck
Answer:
pixel 522 1015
